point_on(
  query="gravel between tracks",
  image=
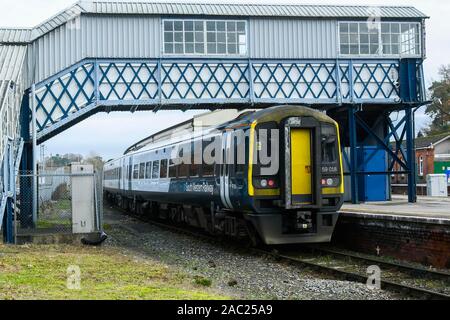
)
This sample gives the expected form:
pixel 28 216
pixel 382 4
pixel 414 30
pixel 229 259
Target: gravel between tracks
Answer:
pixel 232 273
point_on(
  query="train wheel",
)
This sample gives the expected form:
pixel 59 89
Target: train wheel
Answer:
pixel 253 235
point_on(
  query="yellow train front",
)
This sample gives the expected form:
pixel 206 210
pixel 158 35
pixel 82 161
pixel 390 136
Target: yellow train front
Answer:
pixel 273 176
pixel 300 202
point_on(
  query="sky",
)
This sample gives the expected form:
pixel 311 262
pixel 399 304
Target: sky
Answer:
pixel 109 135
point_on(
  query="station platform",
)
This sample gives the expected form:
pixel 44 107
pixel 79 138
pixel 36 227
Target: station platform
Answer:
pixel 418 232
pixel 427 209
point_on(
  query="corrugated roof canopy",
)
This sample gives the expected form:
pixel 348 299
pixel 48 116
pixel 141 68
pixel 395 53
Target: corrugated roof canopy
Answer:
pixel 15 35
pixel 11 64
pixel 205 9
pixel 275 10
pixel 11 61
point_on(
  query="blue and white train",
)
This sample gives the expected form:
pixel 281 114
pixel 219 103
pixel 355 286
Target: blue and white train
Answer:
pixel 293 199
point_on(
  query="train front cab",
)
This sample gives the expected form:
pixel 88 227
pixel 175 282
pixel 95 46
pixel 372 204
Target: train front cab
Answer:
pixel 310 186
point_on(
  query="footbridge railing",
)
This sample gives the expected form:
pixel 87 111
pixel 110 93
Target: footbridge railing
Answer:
pixel 95 84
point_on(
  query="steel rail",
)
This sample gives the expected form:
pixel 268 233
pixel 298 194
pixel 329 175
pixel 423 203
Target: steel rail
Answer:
pixel 342 274
pixel 408 268
pixel 357 277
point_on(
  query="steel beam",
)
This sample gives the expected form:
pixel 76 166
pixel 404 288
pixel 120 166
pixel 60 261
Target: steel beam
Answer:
pixel 411 155
pixel 8 228
pixel 34 152
pixel 204 81
pixel 353 154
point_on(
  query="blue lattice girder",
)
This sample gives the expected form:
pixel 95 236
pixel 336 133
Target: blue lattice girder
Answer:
pixel 181 81
pixel 375 80
pixel 128 81
pixel 160 82
pixel 295 80
pixel 65 95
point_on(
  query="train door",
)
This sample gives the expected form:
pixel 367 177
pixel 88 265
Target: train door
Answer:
pixel 130 173
pixel 301 166
pixel 123 174
pixel 236 172
pixel 225 184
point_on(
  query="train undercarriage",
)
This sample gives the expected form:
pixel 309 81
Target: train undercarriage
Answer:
pixel 254 229
pixel 210 220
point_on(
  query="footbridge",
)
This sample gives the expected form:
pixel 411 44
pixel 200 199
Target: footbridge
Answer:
pixel 358 64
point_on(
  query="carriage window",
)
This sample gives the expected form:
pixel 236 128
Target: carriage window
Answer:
pixel 240 154
pixel 163 173
pixel 183 170
pixel 136 172
pixel 172 169
pixel 265 137
pixel 148 170
pixel 142 171
pixel 155 174
pixel 195 168
pixel 208 170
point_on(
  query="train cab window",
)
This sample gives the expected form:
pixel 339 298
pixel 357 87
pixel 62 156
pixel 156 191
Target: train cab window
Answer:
pixel 329 150
pixel 172 169
pixel 155 172
pixel 142 171
pixel 164 167
pixel 136 172
pixel 329 144
pixel 148 170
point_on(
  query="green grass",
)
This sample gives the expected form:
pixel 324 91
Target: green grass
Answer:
pixel 40 272
pixel 54 224
pixel 51 215
pixel 201 281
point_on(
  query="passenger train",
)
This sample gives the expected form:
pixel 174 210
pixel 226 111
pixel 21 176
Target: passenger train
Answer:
pixel 273 176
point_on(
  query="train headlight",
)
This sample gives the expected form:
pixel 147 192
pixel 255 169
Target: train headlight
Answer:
pixel 266 183
pixel 330 182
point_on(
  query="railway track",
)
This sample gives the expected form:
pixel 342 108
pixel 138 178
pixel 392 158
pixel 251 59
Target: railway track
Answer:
pixel 396 277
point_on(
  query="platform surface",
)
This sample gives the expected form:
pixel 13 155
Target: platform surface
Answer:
pixel 426 208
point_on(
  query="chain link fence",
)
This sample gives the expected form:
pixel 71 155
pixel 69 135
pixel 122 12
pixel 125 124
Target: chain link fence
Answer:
pixel 53 210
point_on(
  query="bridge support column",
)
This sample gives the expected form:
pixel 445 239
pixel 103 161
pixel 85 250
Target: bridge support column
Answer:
pixel 353 154
pixel 26 167
pixel 34 149
pixel 8 227
pixel 411 155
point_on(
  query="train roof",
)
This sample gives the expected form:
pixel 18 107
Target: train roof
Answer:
pixel 242 117
pixel 203 121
